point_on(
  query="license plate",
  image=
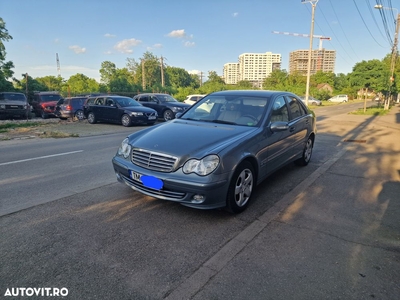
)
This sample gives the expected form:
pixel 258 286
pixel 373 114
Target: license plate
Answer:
pixel 136 176
pixel 152 117
pixel 148 181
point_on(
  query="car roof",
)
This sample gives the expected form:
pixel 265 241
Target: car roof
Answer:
pixel 152 94
pixel 11 93
pixel 44 93
pixel 254 93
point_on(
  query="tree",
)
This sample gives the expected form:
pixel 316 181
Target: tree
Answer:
pixel 371 75
pixel 213 84
pixel 5 67
pixel 33 85
pixel 80 84
pixel 107 71
pixel 52 83
pixel 178 77
pixel 244 85
pixel 276 81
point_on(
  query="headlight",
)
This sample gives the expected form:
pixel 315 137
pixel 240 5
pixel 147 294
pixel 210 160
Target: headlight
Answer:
pixel 125 148
pixel 136 114
pixel 2 106
pixel 176 109
pixel 201 167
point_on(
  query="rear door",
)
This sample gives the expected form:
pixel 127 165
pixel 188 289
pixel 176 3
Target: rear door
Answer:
pixel 98 108
pixel 277 145
pixel 298 124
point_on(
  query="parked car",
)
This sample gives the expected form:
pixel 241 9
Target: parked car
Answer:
pixel 14 105
pixel 192 99
pixel 215 153
pixel 339 98
pixel 70 108
pixel 165 105
pixel 311 100
pixel 118 109
pixel 44 103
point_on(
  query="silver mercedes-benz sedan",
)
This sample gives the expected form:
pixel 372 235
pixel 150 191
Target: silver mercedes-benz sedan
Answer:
pixel 215 153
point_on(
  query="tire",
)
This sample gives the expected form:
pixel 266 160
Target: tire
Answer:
pixel 168 115
pixel 79 115
pixel 91 118
pixel 241 188
pixel 44 115
pixel 307 152
pixel 126 120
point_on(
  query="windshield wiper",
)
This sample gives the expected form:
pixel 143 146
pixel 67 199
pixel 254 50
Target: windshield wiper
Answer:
pixel 223 122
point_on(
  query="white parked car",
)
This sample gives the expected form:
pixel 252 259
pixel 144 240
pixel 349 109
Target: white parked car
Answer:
pixel 339 98
pixel 311 100
pixel 192 99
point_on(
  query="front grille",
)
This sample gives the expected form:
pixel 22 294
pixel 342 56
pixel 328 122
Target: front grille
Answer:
pixel 161 194
pixel 14 106
pixel 153 160
pixel 150 114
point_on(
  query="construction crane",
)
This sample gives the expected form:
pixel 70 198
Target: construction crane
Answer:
pixel 320 37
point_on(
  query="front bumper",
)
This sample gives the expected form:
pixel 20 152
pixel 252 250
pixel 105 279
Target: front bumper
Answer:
pixel 177 186
pixel 21 113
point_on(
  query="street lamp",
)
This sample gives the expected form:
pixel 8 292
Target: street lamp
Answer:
pixel 313 5
pixel 394 52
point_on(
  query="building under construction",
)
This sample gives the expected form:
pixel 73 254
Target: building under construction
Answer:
pixel 321 60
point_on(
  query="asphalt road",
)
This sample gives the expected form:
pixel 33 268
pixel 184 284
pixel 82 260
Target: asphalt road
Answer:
pixel 66 223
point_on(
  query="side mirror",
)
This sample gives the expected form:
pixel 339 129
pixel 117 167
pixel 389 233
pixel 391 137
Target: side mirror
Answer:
pixel 279 126
pixel 178 115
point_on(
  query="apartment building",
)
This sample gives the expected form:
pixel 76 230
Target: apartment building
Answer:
pixel 253 67
pixel 321 60
pixel 231 73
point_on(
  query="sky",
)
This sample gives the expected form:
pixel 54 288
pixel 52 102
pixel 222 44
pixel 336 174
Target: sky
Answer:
pixel 198 36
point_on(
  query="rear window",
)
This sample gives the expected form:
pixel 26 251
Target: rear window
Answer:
pixel 52 97
pixel 13 97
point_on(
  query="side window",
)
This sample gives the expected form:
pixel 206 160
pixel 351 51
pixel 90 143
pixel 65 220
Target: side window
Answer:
pixel 100 101
pixel 109 102
pixel 296 110
pixel 153 99
pixel 144 98
pixel 279 110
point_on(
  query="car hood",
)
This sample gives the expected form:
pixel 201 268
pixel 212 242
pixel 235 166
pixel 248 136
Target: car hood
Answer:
pixel 185 139
pixel 49 103
pixel 177 104
pixel 13 102
pixel 139 109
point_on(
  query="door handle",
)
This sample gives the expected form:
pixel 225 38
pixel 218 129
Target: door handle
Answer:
pixel 291 129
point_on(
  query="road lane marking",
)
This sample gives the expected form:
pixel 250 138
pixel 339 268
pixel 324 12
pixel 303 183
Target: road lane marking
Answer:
pixel 40 157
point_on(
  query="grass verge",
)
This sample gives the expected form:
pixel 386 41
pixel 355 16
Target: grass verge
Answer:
pixel 7 126
pixel 371 111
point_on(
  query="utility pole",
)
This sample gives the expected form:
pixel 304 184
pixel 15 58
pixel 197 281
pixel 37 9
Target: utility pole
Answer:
pixel 393 62
pixel 58 66
pixel 143 76
pixel 162 72
pixel 313 5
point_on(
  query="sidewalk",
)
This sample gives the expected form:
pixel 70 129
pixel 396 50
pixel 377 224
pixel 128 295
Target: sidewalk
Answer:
pixel 335 236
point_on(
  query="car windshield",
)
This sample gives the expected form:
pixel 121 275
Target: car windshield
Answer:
pixel 13 97
pixel 125 102
pixel 238 110
pixel 166 98
pixel 53 97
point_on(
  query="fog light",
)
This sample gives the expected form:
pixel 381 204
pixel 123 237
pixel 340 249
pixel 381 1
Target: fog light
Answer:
pixel 198 199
